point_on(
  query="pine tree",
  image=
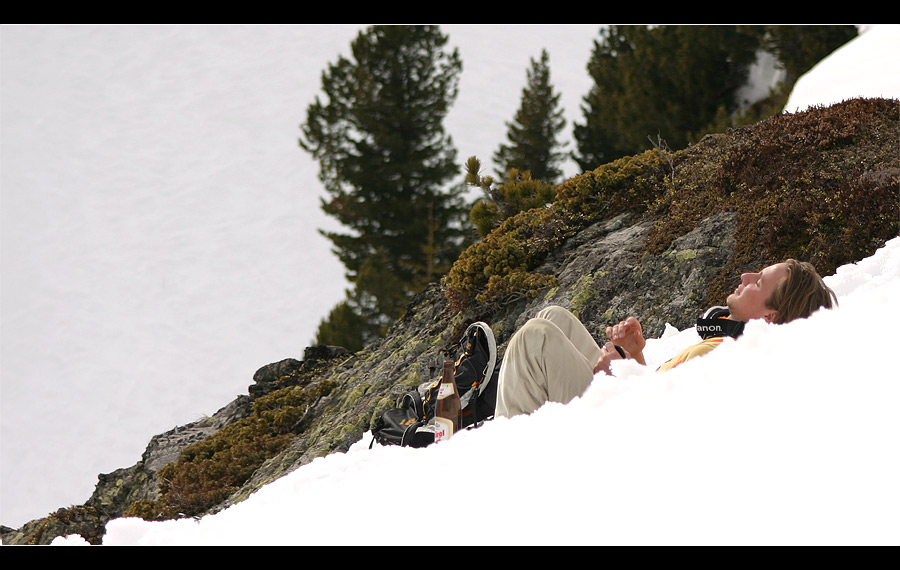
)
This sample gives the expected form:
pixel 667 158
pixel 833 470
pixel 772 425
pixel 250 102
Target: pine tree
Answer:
pixel 600 139
pixel 668 82
pixel 519 192
pixel 534 146
pixel 384 161
pixel 678 83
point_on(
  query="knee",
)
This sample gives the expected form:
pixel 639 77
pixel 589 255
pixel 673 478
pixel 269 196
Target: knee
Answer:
pixel 560 316
pixel 537 328
pixel 554 311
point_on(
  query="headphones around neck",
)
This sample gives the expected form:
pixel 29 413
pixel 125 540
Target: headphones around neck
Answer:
pixel 715 323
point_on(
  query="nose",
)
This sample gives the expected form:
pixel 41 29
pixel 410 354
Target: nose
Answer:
pixel 749 277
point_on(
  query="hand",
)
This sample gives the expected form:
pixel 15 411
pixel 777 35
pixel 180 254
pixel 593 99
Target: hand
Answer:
pixel 608 353
pixel 629 335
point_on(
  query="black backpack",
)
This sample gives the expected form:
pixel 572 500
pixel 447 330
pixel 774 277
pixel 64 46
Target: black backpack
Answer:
pixel 476 370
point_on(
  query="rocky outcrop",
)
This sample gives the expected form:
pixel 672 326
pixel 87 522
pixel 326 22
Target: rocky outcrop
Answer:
pixel 117 490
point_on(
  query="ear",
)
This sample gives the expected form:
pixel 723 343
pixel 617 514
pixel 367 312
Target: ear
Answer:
pixel 771 316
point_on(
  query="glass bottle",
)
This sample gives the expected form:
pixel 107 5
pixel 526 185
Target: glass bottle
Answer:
pixel 446 416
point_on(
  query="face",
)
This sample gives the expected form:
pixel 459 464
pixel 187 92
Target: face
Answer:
pixel 749 299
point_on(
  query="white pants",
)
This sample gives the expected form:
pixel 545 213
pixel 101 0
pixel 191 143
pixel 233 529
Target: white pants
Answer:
pixel 550 359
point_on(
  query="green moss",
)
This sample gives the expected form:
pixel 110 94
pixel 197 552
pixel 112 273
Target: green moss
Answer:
pixel 411 377
pixel 686 254
pixel 607 316
pixel 356 394
pixel 583 292
pixel 551 293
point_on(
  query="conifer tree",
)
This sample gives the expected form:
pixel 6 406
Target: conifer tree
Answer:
pixel 385 161
pixel 666 82
pixel 517 193
pixel 534 146
pixel 677 83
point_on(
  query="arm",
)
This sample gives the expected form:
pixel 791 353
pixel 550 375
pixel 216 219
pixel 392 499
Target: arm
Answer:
pixel 629 335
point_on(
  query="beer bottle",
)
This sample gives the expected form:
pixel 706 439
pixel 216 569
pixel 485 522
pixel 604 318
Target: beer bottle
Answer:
pixel 446 416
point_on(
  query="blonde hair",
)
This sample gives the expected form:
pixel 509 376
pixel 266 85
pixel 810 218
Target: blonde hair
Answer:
pixel 801 293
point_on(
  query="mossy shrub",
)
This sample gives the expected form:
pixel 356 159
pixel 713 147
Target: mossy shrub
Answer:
pixel 630 184
pixel 520 192
pixel 208 472
pixel 500 268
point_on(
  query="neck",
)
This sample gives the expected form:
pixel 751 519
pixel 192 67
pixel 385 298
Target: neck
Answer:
pixel 715 324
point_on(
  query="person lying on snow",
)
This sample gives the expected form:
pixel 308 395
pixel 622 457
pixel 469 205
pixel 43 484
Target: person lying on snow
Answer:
pixel 554 358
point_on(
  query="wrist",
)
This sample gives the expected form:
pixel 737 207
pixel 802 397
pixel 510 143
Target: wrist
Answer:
pixel 639 357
